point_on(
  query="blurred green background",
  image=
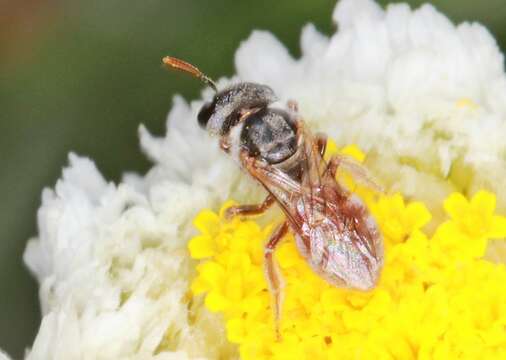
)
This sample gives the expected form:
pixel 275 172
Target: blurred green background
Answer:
pixel 81 75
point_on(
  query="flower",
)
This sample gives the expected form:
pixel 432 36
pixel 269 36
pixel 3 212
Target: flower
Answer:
pixel 398 219
pixel 476 218
pixel 422 98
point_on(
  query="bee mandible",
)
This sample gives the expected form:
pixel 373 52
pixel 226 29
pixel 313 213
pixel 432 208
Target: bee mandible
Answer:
pixel 333 229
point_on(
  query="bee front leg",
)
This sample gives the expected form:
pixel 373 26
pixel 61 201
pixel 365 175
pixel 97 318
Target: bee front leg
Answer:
pixel 225 144
pixel 273 274
pixel 250 210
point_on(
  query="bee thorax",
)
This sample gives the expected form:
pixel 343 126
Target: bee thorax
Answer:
pixel 269 134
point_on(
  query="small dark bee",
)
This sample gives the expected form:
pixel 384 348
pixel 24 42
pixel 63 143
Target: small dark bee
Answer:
pixel 333 229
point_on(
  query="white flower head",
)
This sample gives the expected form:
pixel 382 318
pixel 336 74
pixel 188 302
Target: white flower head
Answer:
pixel 426 100
pixel 3 356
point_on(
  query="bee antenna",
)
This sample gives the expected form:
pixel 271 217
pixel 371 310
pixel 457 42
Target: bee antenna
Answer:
pixel 174 63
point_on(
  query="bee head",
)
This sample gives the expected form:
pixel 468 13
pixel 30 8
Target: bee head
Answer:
pixel 205 113
pixel 227 106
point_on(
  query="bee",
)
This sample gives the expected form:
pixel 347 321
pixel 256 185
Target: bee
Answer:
pixel 333 229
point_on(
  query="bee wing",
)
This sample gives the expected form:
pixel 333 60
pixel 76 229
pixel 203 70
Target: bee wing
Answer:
pixel 353 225
pixel 344 244
pixel 313 176
pixel 318 204
pixel 337 235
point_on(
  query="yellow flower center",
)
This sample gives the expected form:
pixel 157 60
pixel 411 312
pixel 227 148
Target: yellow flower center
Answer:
pixel 436 299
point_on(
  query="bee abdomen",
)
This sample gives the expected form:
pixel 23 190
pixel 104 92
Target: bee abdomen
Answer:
pixel 270 134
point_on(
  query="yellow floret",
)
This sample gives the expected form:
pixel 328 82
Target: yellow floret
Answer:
pixel 437 297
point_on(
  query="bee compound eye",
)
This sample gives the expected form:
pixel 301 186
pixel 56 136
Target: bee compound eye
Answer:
pixel 205 113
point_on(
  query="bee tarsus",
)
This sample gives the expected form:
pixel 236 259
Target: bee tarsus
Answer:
pixel 250 209
pixel 273 273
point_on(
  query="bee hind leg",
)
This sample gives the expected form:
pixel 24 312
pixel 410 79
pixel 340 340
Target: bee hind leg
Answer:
pixel 356 169
pixel 273 274
pixel 293 106
pixel 321 143
pixel 250 210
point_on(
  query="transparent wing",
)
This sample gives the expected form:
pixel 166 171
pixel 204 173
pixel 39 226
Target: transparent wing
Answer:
pixel 341 240
pixel 345 244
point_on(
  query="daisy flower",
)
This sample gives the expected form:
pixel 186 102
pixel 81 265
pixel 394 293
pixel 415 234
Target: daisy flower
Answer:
pixel 148 268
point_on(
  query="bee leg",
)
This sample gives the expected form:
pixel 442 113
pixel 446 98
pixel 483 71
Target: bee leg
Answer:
pixel 332 166
pixel 292 106
pixel 273 274
pixel 225 144
pixel 249 210
pixel 321 142
pixel 356 169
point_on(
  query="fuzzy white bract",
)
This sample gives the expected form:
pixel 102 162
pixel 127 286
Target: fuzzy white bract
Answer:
pixel 424 98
